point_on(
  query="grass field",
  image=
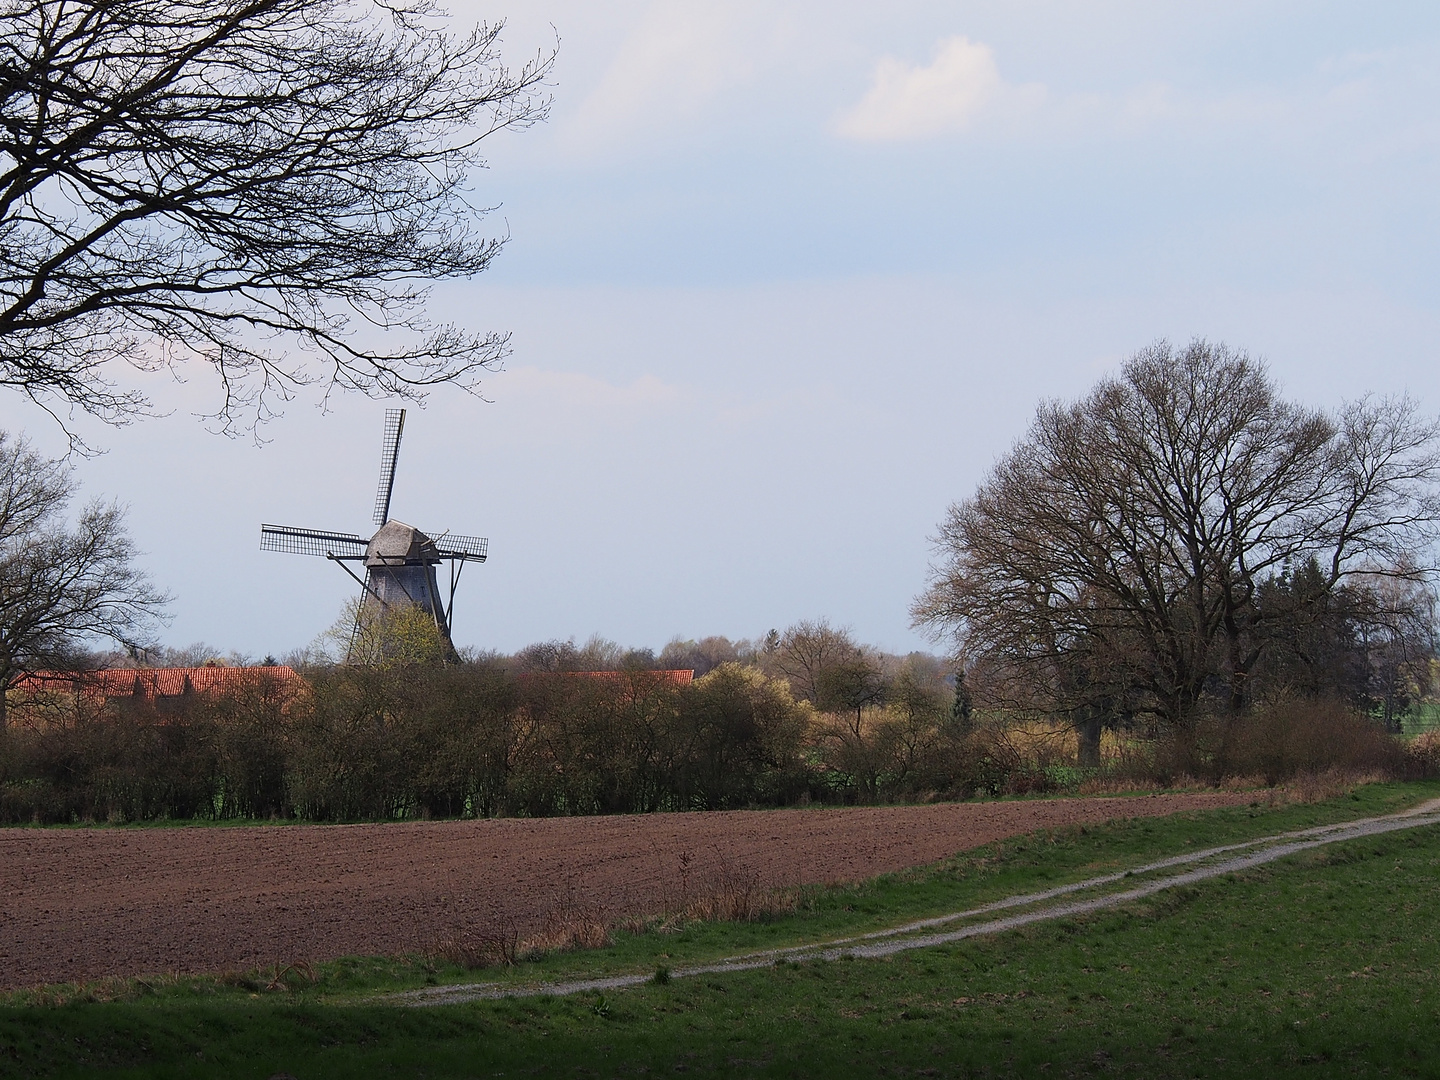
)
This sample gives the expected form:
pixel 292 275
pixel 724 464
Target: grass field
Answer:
pixel 1424 717
pixel 1324 963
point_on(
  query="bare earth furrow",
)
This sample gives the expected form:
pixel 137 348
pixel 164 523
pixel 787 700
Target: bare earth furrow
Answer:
pixel 86 903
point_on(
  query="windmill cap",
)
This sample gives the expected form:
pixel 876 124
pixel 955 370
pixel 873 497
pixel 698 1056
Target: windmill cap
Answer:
pixel 398 544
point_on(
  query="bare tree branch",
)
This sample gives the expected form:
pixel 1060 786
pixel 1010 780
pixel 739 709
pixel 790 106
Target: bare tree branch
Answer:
pixel 237 182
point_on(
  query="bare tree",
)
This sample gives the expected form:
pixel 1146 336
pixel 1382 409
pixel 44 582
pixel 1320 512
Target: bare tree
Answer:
pixel 227 181
pixel 1112 560
pixel 702 656
pixel 850 686
pixel 806 651
pixel 60 585
pixel 597 654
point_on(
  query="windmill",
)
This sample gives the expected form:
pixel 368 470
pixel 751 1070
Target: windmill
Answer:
pixel 399 559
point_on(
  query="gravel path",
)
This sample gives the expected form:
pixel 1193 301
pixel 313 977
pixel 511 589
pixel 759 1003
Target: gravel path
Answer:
pixel 1215 862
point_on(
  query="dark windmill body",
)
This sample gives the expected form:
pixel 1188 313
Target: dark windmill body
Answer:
pixel 399 559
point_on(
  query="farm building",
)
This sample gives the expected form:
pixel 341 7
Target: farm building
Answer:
pixel 166 689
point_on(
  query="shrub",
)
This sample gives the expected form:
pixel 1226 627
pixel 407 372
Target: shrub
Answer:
pixel 1424 753
pixel 1289 737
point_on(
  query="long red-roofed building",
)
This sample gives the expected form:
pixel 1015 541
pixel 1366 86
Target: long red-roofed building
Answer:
pixel 155 685
pixel 673 677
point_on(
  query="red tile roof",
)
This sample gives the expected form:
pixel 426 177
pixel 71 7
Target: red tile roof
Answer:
pixel 151 683
pixel 679 677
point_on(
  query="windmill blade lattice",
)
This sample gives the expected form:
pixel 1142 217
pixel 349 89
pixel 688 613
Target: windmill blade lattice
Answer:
pixel 389 454
pixel 451 546
pixel 312 542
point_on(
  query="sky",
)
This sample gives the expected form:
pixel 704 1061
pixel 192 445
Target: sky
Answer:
pixel 786 278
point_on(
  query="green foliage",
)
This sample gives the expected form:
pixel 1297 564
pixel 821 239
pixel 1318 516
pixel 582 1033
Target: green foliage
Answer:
pixel 398 636
pixel 738 740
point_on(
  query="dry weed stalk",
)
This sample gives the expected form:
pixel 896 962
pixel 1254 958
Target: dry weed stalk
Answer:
pixel 472 950
pixel 730 892
pixel 105 990
pixel 1323 784
pixel 278 977
pixel 569 925
pixel 291 976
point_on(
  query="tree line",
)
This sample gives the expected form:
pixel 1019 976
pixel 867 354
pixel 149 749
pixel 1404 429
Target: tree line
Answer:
pixel 543 732
pixel 807 716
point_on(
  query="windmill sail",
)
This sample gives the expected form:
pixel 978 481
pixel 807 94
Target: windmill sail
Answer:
pixel 389 454
pixel 452 546
pixel 312 542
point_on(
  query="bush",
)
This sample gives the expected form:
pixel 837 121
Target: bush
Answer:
pixel 1424 753
pixel 1281 740
pixel 737 739
pixel 402 741
pixel 135 766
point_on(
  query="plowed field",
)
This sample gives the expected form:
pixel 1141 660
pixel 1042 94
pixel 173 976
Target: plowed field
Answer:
pixel 84 903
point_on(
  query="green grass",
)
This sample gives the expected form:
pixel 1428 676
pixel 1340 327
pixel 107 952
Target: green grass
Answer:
pixel 1322 964
pixel 1423 717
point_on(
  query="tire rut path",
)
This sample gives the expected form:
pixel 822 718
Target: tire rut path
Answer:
pixel 927 933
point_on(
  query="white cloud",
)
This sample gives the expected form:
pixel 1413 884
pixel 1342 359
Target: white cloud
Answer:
pixel 676 61
pixel 908 102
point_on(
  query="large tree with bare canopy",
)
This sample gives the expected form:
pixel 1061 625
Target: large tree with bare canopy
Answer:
pixel 1114 560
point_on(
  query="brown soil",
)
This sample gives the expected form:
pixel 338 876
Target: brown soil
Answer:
pixel 85 903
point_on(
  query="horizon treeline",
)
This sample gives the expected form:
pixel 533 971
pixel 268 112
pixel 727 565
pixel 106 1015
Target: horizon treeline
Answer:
pixel 807 716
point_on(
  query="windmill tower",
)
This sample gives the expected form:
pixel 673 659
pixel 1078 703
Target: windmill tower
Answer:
pixel 399 559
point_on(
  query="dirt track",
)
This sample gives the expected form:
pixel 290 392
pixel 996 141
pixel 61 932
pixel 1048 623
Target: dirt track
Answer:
pixel 84 903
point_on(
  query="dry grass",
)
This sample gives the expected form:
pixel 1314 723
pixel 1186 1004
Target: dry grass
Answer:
pixel 94 991
pixel 1325 784
pixel 1424 751
pixel 473 950
pixel 276 978
pixel 731 892
pixel 1307 786
pixel 726 891
pixel 1123 784
pixel 569 924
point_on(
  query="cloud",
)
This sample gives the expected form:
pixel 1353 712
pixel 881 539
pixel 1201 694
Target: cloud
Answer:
pixel 908 102
pixel 676 61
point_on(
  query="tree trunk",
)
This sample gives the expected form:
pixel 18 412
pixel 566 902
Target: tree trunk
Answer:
pixel 1237 667
pixel 1087 727
pixel 7 676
